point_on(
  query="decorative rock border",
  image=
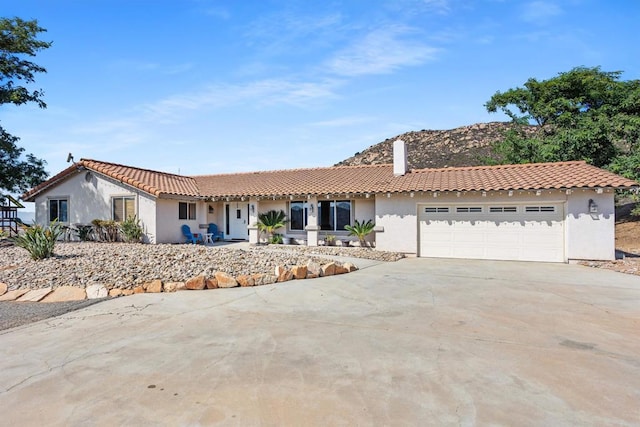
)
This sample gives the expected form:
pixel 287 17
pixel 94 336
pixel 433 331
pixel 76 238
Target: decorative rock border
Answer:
pixel 219 280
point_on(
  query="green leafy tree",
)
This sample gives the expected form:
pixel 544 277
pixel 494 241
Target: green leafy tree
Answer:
pixel 270 221
pixel 583 114
pixel 18 42
pixel 361 230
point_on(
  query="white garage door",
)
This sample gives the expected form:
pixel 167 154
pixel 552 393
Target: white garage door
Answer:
pixel 531 232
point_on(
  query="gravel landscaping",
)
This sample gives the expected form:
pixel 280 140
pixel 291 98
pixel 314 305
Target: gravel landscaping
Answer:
pixel 121 265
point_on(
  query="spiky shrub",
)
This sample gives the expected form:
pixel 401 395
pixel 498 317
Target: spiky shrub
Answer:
pixel 360 230
pixel 39 241
pixel 270 221
pixel 131 230
pixel 84 232
pixel 106 230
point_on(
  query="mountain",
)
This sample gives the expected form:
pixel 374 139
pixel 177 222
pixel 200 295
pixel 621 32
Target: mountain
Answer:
pixel 463 146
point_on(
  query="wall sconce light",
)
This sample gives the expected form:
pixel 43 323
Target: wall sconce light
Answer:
pixel 311 207
pixel 253 208
pixel 211 209
pixel 593 207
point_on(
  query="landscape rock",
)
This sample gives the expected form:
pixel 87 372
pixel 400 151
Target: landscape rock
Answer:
pixel 196 283
pixel 299 272
pixel 96 291
pixel 313 268
pixel 350 267
pixel 245 280
pixel 328 269
pixel 13 295
pixel 169 287
pixel 65 293
pixel 115 292
pixel 340 269
pixel 153 287
pixel 211 283
pixel 127 292
pixel 138 290
pixel 3 288
pixel 35 295
pixel 225 280
pixel 312 276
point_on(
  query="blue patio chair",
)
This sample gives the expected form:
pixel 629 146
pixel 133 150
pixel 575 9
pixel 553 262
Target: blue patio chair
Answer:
pixel 191 238
pixel 216 234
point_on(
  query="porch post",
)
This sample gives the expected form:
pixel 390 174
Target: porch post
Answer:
pixel 312 227
pixel 254 233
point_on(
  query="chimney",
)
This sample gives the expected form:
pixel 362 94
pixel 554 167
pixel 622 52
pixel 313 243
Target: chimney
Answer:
pixel 399 157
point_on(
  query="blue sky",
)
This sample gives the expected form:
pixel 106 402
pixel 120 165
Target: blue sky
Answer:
pixel 205 86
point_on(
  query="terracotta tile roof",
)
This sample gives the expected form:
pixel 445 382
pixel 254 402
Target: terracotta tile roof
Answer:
pixel 355 180
pixel 380 179
pixel 152 182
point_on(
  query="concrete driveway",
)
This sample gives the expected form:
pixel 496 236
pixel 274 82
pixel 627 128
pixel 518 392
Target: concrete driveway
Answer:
pixel 417 342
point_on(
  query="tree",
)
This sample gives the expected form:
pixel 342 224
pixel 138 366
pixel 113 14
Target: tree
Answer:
pixel 18 40
pixel 583 114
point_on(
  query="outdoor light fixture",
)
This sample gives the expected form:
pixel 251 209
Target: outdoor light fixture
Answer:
pixel 253 208
pixel 593 207
pixel 311 207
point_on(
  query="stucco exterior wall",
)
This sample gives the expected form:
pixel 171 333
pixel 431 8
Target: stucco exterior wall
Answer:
pixel 89 195
pixel 591 236
pixel 168 222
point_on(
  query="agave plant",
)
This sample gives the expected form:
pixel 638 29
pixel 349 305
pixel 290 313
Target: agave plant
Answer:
pixel 270 221
pixel 360 230
pixel 39 241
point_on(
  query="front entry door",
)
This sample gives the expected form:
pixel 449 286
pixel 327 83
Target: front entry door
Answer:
pixel 237 214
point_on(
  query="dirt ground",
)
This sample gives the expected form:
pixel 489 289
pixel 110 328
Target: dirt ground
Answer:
pixel 627 243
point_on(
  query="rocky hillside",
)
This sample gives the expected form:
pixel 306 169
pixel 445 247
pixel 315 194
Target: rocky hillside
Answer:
pixel 463 146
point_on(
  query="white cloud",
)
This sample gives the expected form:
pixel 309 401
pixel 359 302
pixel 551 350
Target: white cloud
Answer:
pixel 540 12
pixel 380 52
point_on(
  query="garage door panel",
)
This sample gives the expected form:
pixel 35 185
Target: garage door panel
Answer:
pixel 535 233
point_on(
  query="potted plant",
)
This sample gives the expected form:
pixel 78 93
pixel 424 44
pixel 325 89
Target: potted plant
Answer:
pixel 361 230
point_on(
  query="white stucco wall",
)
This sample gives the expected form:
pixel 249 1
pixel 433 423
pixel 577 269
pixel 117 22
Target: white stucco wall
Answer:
pixel 590 236
pixel 587 236
pixel 90 197
pixel 168 228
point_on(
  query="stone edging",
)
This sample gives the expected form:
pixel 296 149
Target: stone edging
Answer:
pixel 219 280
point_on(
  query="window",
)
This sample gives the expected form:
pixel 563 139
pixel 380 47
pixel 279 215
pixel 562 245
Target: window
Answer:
pixel 474 209
pixel 540 209
pixel 186 210
pixel 123 208
pixel 436 210
pixel 501 209
pixel 333 215
pixel 59 210
pixel 298 215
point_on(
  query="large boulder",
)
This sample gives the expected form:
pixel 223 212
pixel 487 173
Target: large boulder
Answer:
pixel 328 269
pixel 3 288
pixel 245 280
pixel 153 287
pixel 196 283
pixel 225 280
pixel 299 272
pixel 314 268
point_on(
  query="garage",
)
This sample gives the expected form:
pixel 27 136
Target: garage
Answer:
pixel 519 232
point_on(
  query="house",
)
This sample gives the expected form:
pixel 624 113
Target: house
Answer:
pixel 535 212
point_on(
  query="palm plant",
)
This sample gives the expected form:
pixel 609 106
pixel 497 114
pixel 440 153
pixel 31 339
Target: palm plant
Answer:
pixel 361 230
pixel 270 221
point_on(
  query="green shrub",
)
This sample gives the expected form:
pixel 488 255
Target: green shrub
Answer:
pixel 636 210
pixel 84 232
pixel 131 230
pixel 39 241
pixel 276 239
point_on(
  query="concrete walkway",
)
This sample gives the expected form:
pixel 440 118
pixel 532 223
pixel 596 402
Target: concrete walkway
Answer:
pixel 417 342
